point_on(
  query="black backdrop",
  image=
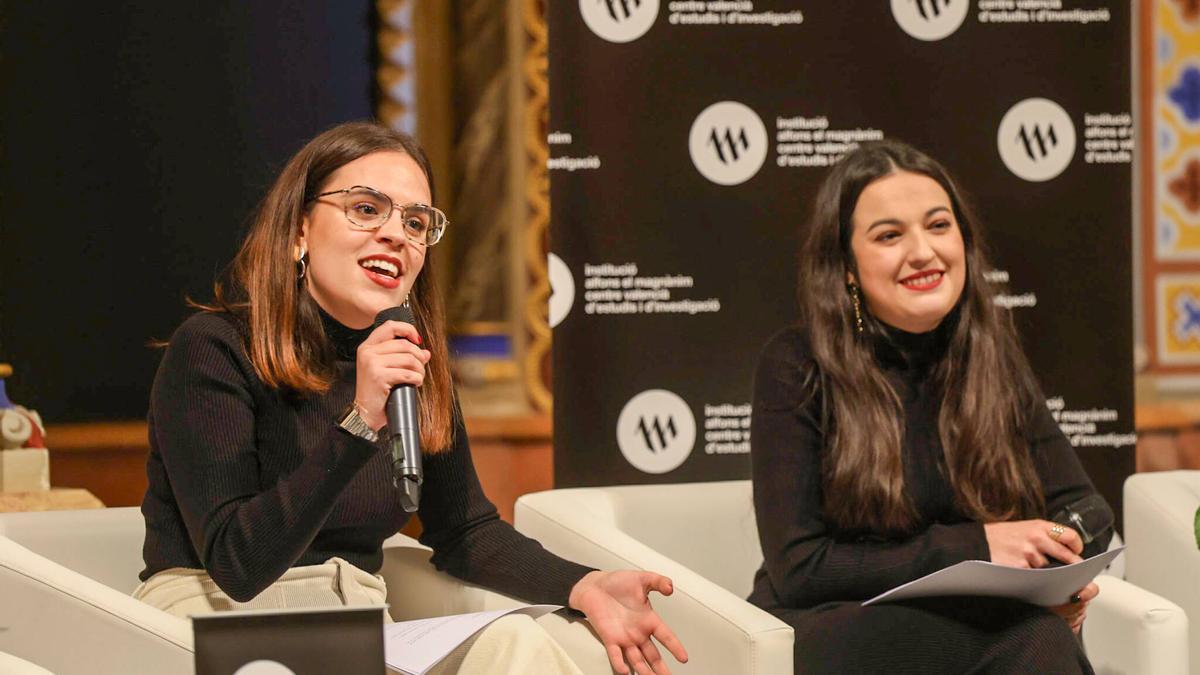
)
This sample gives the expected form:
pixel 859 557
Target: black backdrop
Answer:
pixel 633 208
pixel 137 137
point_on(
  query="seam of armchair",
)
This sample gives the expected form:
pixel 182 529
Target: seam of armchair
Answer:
pixel 756 647
pixel 1141 631
pixel 1159 615
pixel 77 591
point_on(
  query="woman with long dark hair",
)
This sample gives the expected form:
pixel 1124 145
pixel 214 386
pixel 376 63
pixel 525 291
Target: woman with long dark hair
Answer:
pixel 266 485
pixel 898 429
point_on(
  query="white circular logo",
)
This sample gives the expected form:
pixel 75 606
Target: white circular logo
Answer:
pixel 728 143
pixel 930 20
pixel 264 667
pixel 562 289
pixel 656 431
pixel 1036 139
pixel 619 20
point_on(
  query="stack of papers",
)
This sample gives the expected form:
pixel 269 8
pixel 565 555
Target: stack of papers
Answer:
pixel 1048 587
pixel 414 647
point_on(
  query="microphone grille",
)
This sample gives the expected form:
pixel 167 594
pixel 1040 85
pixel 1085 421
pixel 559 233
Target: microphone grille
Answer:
pixel 401 313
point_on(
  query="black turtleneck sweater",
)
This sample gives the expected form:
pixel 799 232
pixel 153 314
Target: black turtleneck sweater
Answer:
pixel 807 560
pixel 246 481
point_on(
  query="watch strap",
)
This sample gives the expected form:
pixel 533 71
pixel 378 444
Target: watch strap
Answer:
pixel 353 423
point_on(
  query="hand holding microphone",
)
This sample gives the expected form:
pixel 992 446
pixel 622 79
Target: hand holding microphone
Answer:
pixel 390 365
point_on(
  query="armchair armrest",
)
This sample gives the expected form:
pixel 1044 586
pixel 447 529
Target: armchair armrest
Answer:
pixel 721 631
pixel 1162 557
pixel 1131 630
pixel 47 606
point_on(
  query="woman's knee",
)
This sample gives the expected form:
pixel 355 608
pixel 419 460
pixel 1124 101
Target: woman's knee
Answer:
pixel 514 628
pixel 1042 641
pixel 517 636
pixel 1046 629
pixel 516 644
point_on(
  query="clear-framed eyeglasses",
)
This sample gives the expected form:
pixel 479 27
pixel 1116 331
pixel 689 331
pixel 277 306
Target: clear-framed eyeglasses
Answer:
pixel 368 209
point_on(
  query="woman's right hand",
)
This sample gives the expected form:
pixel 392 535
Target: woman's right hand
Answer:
pixel 1075 611
pixel 383 362
pixel 1029 544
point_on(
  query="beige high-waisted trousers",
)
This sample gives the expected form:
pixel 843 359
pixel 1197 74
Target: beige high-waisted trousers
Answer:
pixel 514 644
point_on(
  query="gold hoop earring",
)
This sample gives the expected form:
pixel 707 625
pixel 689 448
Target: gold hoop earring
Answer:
pixel 856 300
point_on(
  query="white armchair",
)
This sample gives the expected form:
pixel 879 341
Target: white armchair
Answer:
pixel 701 535
pixel 1162 555
pixel 66 576
pixel 704 536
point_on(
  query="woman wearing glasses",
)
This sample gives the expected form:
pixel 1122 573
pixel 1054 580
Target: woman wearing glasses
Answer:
pixel 897 430
pixel 266 488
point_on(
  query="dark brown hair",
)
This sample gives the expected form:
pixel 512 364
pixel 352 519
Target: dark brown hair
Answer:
pixel 986 384
pixel 287 344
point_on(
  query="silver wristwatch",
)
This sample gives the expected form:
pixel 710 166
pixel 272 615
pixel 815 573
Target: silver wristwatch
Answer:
pixel 353 423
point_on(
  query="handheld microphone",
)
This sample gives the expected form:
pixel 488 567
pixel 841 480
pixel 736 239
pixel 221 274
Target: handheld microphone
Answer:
pixel 403 427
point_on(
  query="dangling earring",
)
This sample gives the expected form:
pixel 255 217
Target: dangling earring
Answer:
pixel 856 300
pixel 301 262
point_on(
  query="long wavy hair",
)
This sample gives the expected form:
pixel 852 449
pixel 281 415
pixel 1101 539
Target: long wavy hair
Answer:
pixel 986 386
pixel 287 344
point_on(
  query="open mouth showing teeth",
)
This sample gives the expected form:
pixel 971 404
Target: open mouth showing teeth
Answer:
pixel 383 267
pixel 923 280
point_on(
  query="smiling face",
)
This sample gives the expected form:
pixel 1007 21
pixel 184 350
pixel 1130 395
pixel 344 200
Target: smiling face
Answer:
pixel 909 251
pixel 354 274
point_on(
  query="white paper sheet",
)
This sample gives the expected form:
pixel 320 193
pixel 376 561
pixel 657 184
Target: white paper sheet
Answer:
pixel 1047 587
pixel 413 647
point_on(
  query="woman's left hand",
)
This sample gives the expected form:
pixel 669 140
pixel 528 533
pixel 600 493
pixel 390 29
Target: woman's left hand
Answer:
pixel 617 605
pixel 1075 612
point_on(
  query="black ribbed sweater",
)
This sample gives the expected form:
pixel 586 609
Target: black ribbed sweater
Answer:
pixel 246 481
pixel 808 561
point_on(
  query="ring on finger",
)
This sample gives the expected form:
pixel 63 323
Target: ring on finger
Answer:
pixel 1057 531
